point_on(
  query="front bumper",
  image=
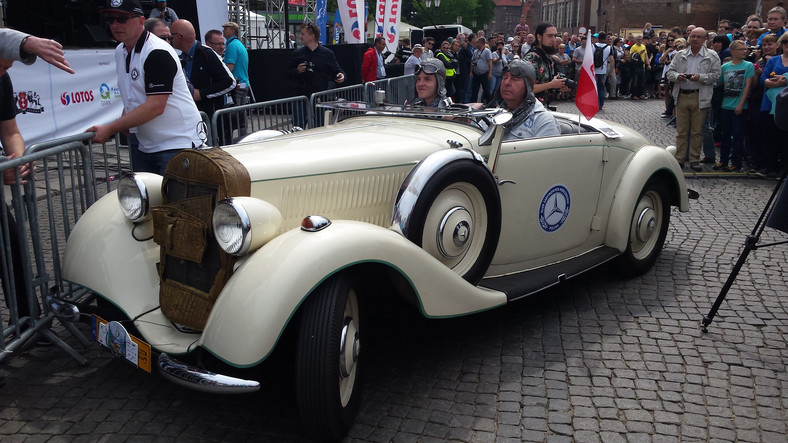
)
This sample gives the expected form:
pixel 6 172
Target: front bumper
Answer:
pixel 202 380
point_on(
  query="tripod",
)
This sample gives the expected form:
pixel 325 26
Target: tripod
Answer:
pixel 750 244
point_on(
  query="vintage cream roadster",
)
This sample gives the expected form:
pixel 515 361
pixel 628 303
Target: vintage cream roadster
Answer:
pixel 235 247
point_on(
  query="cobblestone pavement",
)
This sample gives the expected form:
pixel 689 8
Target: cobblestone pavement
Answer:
pixel 596 359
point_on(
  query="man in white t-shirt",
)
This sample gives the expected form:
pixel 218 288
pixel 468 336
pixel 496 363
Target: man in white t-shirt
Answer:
pixel 157 105
pixel 601 72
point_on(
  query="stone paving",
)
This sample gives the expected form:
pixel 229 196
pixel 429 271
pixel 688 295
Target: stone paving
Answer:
pixel 598 359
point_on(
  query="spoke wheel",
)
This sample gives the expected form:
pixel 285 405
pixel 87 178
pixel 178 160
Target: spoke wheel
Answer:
pixel 327 360
pixel 648 228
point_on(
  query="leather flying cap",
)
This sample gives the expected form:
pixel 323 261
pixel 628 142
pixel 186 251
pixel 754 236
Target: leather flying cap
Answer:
pixel 522 69
pixel 129 7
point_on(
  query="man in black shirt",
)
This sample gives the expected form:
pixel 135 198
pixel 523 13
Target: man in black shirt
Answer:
pixel 203 68
pixel 312 67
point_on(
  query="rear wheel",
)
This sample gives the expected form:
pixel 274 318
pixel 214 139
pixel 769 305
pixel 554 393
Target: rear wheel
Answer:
pixel 648 228
pixel 327 383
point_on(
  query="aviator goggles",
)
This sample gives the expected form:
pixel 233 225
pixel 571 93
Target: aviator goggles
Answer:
pixel 427 69
pixel 516 69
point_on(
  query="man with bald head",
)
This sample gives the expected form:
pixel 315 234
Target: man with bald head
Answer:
pixel 202 66
pixel 694 71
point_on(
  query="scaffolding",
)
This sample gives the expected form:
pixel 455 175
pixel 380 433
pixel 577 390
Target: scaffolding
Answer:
pixel 268 28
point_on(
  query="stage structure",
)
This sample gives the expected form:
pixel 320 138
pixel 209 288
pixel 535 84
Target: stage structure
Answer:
pixel 268 28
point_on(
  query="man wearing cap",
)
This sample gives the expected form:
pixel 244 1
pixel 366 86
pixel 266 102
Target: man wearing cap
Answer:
pixel 157 106
pixel 414 59
pixel 529 117
pixel 164 12
pixel 237 60
pixel 203 68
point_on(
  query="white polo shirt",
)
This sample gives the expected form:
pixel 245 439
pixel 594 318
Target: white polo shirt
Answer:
pixel 154 68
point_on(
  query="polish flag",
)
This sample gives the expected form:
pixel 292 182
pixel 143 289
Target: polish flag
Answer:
pixel 587 100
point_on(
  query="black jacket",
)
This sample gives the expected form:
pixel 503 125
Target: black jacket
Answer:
pixel 211 76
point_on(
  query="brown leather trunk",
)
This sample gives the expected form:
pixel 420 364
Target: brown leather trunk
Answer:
pixel 193 269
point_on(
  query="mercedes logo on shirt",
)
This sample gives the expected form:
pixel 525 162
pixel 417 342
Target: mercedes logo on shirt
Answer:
pixel 135 74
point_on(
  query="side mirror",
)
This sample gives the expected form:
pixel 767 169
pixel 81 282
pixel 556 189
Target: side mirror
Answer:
pixel 497 120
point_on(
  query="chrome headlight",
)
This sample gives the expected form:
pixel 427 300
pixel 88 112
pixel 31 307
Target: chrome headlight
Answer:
pixel 137 193
pixel 243 224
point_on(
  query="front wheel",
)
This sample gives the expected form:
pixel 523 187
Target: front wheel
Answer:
pixel 327 383
pixel 648 228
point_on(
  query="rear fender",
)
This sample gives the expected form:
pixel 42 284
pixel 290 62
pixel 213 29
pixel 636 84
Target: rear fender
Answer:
pixel 648 162
pixel 266 290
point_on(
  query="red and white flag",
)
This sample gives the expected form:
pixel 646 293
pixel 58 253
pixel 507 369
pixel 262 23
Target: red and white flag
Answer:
pixel 587 100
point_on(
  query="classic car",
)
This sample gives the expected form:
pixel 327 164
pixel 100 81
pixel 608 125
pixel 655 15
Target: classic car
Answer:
pixel 235 247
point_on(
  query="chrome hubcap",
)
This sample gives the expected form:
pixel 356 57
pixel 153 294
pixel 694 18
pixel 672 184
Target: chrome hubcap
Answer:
pixel 454 232
pixel 349 347
pixel 646 225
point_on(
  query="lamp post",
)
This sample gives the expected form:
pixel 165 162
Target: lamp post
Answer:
pixel 429 4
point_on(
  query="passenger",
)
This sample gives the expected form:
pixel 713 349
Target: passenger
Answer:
pixel 529 116
pixel 430 85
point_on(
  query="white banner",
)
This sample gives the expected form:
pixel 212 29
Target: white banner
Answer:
pixel 380 18
pixel 392 22
pixel 54 104
pixel 352 20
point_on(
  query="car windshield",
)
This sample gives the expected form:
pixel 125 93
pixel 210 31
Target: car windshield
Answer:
pixel 460 113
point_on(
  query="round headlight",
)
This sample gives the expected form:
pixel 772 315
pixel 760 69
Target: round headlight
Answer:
pixel 232 227
pixel 133 197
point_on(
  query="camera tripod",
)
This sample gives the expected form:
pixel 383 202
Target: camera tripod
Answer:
pixel 750 244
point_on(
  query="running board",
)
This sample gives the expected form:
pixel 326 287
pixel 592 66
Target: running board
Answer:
pixel 525 283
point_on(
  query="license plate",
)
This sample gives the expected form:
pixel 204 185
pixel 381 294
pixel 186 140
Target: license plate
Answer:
pixel 113 336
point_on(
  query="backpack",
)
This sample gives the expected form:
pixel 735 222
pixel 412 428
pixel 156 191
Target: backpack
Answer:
pixel 599 56
pixel 635 57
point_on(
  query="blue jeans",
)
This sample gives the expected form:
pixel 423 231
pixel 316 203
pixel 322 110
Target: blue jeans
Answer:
pixel 732 136
pixel 495 83
pixel 601 90
pixel 155 162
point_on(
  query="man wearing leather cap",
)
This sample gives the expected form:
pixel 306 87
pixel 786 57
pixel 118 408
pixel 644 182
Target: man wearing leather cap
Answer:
pixel 157 105
pixel 529 117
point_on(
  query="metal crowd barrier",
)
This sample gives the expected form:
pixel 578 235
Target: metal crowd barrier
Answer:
pixel 229 124
pixel 350 93
pixel 42 213
pixel 398 89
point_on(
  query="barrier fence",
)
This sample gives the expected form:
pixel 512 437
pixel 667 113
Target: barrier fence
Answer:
pixel 71 174
pixel 40 213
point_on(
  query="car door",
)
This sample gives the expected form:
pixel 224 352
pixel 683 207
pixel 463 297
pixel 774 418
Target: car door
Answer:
pixel 549 191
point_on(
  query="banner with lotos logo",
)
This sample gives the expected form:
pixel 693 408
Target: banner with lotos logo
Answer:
pixel 53 104
pixel 352 20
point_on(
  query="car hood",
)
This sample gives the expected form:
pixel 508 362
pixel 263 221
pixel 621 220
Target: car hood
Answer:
pixel 360 143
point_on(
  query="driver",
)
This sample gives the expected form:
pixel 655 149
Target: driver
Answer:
pixel 529 116
pixel 431 85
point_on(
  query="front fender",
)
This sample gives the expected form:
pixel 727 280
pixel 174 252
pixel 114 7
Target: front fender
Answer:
pixel 102 255
pixel 267 288
pixel 648 162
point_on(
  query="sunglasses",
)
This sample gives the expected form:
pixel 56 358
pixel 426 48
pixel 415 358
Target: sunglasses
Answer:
pixel 122 19
pixel 218 43
pixel 427 69
pixel 172 36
